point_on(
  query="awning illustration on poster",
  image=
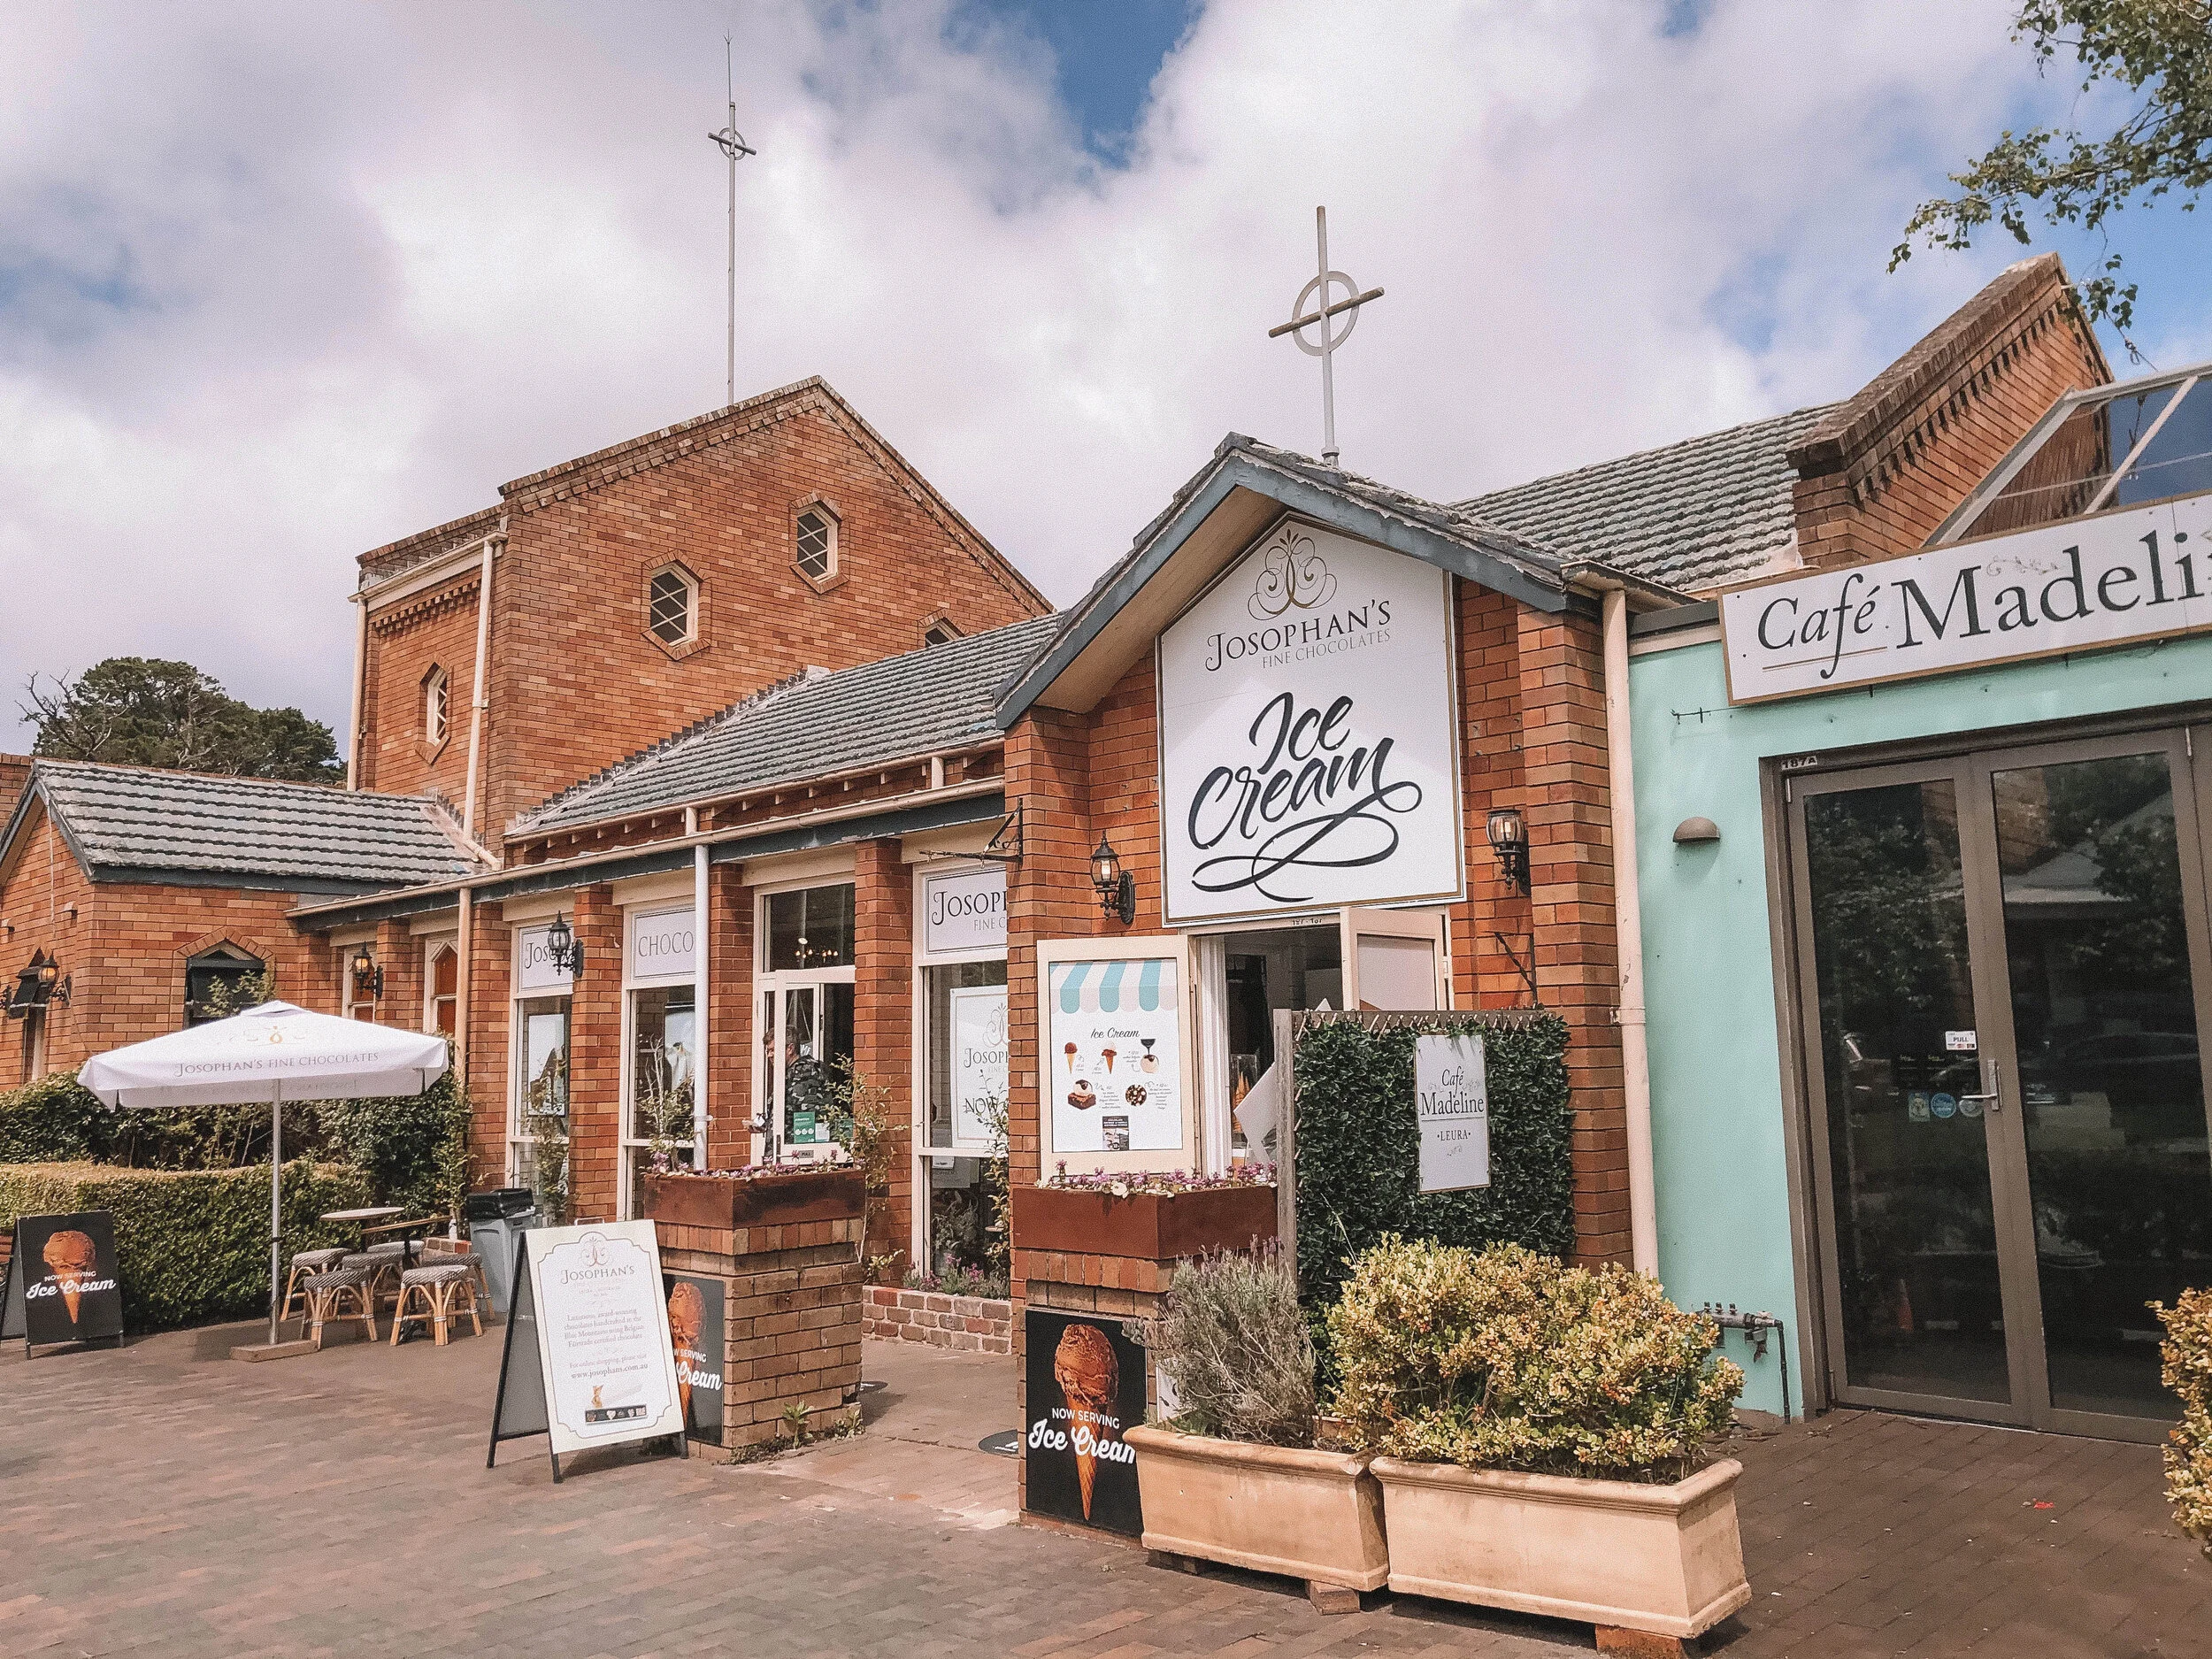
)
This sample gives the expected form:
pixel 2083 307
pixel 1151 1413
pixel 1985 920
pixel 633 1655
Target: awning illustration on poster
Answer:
pixel 1115 1060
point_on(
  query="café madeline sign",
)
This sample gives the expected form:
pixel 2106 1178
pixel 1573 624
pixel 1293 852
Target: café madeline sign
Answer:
pixel 1309 733
pixel 2120 579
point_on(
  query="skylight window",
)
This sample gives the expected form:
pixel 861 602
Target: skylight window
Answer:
pixel 2096 451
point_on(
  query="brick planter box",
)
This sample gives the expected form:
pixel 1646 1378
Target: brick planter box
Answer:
pixel 972 1325
pixel 787 1250
pixel 1148 1226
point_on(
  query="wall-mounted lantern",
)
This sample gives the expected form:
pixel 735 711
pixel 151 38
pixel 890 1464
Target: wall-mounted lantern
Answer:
pixel 1117 887
pixel 1508 842
pixel 564 950
pixel 40 984
pixel 1692 830
pixel 368 977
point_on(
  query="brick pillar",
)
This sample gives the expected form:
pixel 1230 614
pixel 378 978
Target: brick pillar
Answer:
pixel 594 1057
pixel 1570 868
pixel 729 934
pixel 399 953
pixel 319 980
pixel 1483 974
pixel 1048 895
pixel 488 1010
pixel 883 1030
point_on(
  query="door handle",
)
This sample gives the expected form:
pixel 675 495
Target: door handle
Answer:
pixel 1993 1094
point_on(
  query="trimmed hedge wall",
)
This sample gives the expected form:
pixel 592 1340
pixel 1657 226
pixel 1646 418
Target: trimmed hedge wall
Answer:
pixel 1357 1146
pixel 192 1245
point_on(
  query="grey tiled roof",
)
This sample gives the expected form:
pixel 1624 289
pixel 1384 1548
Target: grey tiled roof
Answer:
pixel 1696 515
pixel 138 819
pixel 937 698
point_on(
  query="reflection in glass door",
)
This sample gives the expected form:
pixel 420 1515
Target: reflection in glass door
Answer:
pixel 2004 971
pixel 1916 1288
pixel 2097 952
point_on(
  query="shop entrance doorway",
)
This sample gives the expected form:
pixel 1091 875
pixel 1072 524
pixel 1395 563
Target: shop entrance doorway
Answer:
pixel 804 1015
pixel 2002 973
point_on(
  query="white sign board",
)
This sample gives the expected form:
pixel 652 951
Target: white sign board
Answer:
pixel 661 944
pixel 534 963
pixel 1309 733
pixel 1113 1068
pixel 1451 1099
pixel 606 1363
pixel 964 909
pixel 978 1062
pixel 2071 587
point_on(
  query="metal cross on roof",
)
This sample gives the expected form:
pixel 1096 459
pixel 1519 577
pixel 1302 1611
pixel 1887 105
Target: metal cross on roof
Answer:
pixel 732 144
pixel 1319 294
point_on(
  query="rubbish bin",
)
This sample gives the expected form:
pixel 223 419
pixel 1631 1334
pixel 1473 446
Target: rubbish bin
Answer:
pixel 496 1219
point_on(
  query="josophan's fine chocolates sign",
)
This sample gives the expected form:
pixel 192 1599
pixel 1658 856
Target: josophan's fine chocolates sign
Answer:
pixel 2116 580
pixel 1307 721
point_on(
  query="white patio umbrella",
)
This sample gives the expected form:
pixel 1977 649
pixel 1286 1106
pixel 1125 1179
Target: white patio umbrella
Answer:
pixel 275 1053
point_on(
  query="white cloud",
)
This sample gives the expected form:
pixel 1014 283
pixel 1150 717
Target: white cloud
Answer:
pixel 273 293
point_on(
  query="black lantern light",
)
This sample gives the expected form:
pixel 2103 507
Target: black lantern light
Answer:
pixel 368 979
pixel 564 950
pixel 1509 841
pixel 38 984
pixel 1117 887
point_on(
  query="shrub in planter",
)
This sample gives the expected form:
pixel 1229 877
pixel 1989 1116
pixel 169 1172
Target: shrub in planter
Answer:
pixel 1234 1476
pixel 2187 1351
pixel 1539 1430
pixel 191 1245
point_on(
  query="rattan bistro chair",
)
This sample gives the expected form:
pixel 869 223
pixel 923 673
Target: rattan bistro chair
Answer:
pixel 304 1264
pixel 327 1293
pixel 440 1291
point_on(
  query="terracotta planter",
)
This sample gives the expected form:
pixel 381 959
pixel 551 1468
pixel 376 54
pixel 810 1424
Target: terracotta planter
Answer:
pixel 766 1201
pixel 1664 1559
pixel 1316 1516
pixel 1154 1226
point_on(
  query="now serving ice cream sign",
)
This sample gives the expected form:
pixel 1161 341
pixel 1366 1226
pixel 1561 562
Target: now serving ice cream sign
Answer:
pixel 2120 578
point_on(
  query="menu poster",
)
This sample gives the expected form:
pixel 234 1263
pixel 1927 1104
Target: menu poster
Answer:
pixel 1086 1386
pixel 1114 1058
pixel 61 1282
pixel 589 1301
pixel 695 1329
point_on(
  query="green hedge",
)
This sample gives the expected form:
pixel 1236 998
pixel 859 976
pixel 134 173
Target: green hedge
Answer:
pixel 192 1245
pixel 1357 1147
pixel 53 1119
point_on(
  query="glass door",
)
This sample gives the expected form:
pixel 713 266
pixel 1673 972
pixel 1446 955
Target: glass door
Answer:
pixel 806 1040
pixel 2003 971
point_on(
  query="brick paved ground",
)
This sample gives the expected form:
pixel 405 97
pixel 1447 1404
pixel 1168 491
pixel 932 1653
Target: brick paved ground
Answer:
pixel 165 1501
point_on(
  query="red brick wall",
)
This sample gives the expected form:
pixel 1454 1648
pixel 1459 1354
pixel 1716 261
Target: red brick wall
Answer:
pixel 15 771
pixel 1877 476
pixel 729 934
pixel 125 951
pixel 595 1050
pixel 490 947
pixel 883 1024
pixel 1483 974
pixel 405 642
pixel 578 684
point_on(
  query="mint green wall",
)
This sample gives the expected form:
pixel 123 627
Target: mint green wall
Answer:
pixel 1715 1069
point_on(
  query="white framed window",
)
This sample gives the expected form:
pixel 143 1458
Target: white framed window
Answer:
pixel 960 1053
pixel 671 605
pixel 803 984
pixel 440 988
pixel 815 537
pixel 436 695
pixel 940 631
pixel 538 1086
pixel 661 1120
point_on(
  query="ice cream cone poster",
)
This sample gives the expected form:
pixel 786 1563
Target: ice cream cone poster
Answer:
pixel 63 1285
pixel 695 1331
pixel 1086 1386
pixel 603 1330
pixel 1114 1024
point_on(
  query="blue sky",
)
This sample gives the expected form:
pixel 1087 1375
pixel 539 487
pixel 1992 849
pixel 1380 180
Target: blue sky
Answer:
pixel 279 287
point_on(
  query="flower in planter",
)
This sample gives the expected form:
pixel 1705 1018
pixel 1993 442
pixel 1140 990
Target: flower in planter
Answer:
pixel 1163 1183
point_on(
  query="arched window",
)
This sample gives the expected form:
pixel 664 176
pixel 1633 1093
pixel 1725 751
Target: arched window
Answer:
pixel 434 706
pixel 818 544
pixel 221 981
pixel 671 605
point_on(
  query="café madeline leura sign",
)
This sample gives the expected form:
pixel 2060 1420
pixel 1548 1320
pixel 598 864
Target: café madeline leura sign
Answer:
pixel 1309 753
pixel 2116 580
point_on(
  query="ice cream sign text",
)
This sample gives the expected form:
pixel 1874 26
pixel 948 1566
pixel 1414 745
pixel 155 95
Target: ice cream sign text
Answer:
pixel 2120 579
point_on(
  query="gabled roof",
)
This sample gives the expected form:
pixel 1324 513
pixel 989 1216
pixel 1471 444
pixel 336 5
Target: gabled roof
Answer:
pixel 1455 537
pixel 144 824
pixel 1696 515
pixel 928 702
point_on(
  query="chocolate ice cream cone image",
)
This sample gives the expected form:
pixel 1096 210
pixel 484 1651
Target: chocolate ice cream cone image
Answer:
pixel 1070 1052
pixel 686 1312
pixel 1107 1054
pixel 72 1260
pixel 1089 1375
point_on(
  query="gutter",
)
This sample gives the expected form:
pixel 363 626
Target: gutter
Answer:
pixel 482 698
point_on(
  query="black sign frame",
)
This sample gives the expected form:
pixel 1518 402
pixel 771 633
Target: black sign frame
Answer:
pixel 34 1304
pixel 700 1362
pixel 1053 1427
